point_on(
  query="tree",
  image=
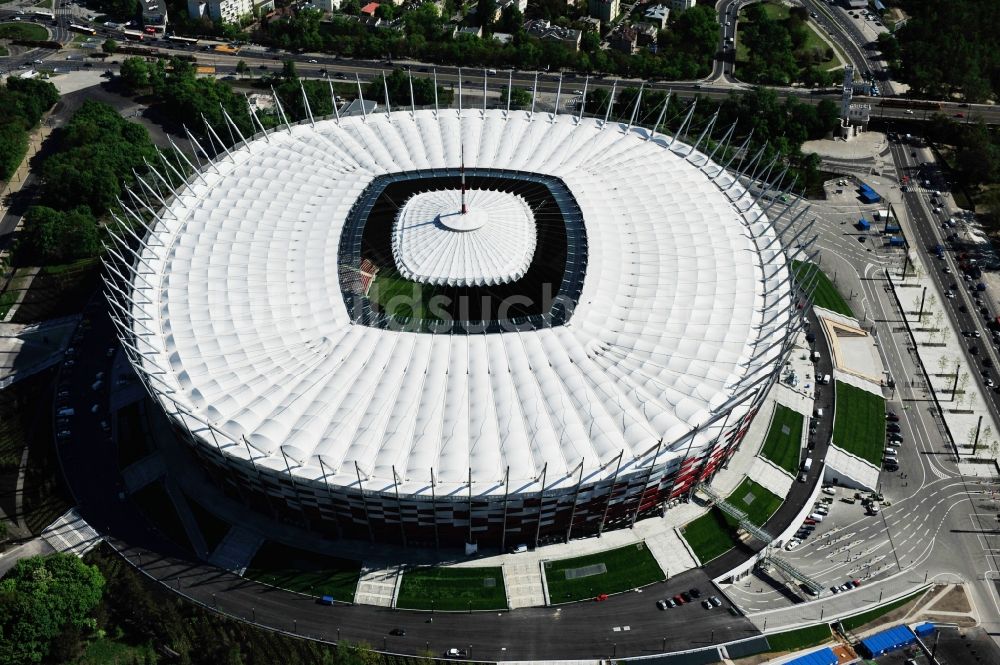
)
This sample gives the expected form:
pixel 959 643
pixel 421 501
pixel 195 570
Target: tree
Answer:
pixel 519 97
pixel 40 598
pixel 109 46
pixel 53 236
pixel 351 7
pixel 97 152
pixel 135 73
pixel 485 12
pixel 288 71
pixel 242 68
pixel 386 11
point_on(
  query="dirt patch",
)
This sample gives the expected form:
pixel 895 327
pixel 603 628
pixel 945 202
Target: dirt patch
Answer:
pixel 960 621
pixel 953 601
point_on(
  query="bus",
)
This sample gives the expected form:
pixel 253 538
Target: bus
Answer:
pixel 132 35
pixel 182 40
pixel 75 27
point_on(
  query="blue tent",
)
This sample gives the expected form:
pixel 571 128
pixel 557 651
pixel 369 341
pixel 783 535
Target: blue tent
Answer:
pixel 864 224
pixel 887 640
pixel 925 629
pixel 821 657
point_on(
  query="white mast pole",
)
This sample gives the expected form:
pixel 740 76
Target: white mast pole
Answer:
pixel 583 100
pixel 555 111
pixel 534 93
pixel 361 98
pixel 510 84
pixel 611 102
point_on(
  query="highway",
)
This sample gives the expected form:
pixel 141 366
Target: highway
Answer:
pixel 962 307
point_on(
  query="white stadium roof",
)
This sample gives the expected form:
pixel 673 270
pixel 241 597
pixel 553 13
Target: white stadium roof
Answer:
pixel 492 242
pixel 239 305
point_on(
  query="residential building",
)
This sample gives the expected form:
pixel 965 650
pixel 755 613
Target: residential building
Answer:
pixel 473 30
pixel 154 15
pixel 327 5
pixel 606 10
pixel 226 11
pixel 625 40
pixel 520 5
pixel 646 33
pixel 542 29
pixel 369 9
pixel 681 5
pixel 503 37
pixel 657 15
pixel 590 23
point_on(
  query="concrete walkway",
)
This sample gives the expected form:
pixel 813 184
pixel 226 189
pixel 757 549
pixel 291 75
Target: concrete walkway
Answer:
pixel 236 550
pixel 766 473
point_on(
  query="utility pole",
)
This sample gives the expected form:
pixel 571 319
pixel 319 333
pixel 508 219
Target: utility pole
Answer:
pixel 975 442
pixel 923 296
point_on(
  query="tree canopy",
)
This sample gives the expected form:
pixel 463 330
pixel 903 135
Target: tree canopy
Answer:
pixel 779 51
pixel 96 152
pixel 39 598
pixel 23 101
pixel 54 236
pixel 950 48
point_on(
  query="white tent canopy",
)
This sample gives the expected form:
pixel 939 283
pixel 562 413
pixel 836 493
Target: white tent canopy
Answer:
pixel 491 242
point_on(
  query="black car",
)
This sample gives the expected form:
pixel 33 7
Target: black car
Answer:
pixel 974 350
pixel 892 417
pixel 398 632
pixel 686 596
pixel 892 427
pixel 889 466
pixel 695 592
pixel 988 362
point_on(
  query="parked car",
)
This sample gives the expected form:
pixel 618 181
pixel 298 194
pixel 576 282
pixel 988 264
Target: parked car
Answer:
pixel 686 596
pixel 892 427
pixel 715 601
pixel 662 604
pixel 695 592
pixel 707 605
pixel 679 599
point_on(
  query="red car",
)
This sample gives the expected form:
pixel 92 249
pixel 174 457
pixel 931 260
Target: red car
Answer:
pixel 598 598
pixel 809 520
pixel 959 115
pixel 679 599
pixel 856 582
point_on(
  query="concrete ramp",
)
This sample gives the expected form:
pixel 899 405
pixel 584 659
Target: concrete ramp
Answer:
pixel 236 550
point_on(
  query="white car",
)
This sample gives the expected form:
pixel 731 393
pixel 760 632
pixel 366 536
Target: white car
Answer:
pixel 908 111
pixel 792 544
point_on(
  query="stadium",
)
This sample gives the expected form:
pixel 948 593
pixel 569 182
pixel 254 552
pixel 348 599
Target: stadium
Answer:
pixel 466 327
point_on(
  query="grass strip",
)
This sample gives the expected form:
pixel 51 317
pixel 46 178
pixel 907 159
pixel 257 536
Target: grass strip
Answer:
pixel 627 568
pixel 452 589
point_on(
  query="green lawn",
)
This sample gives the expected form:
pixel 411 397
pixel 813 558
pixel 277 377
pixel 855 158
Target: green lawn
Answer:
pixel 784 439
pixel 626 568
pixel 715 533
pixel 452 589
pixel 802 638
pixel 399 296
pixel 213 529
pixel 159 509
pixel 22 30
pixel 825 294
pixel 306 572
pixel 859 424
pixel 859 620
pixel 44 4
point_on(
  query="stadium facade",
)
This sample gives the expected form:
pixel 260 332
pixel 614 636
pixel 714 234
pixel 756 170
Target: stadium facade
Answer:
pixel 631 305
